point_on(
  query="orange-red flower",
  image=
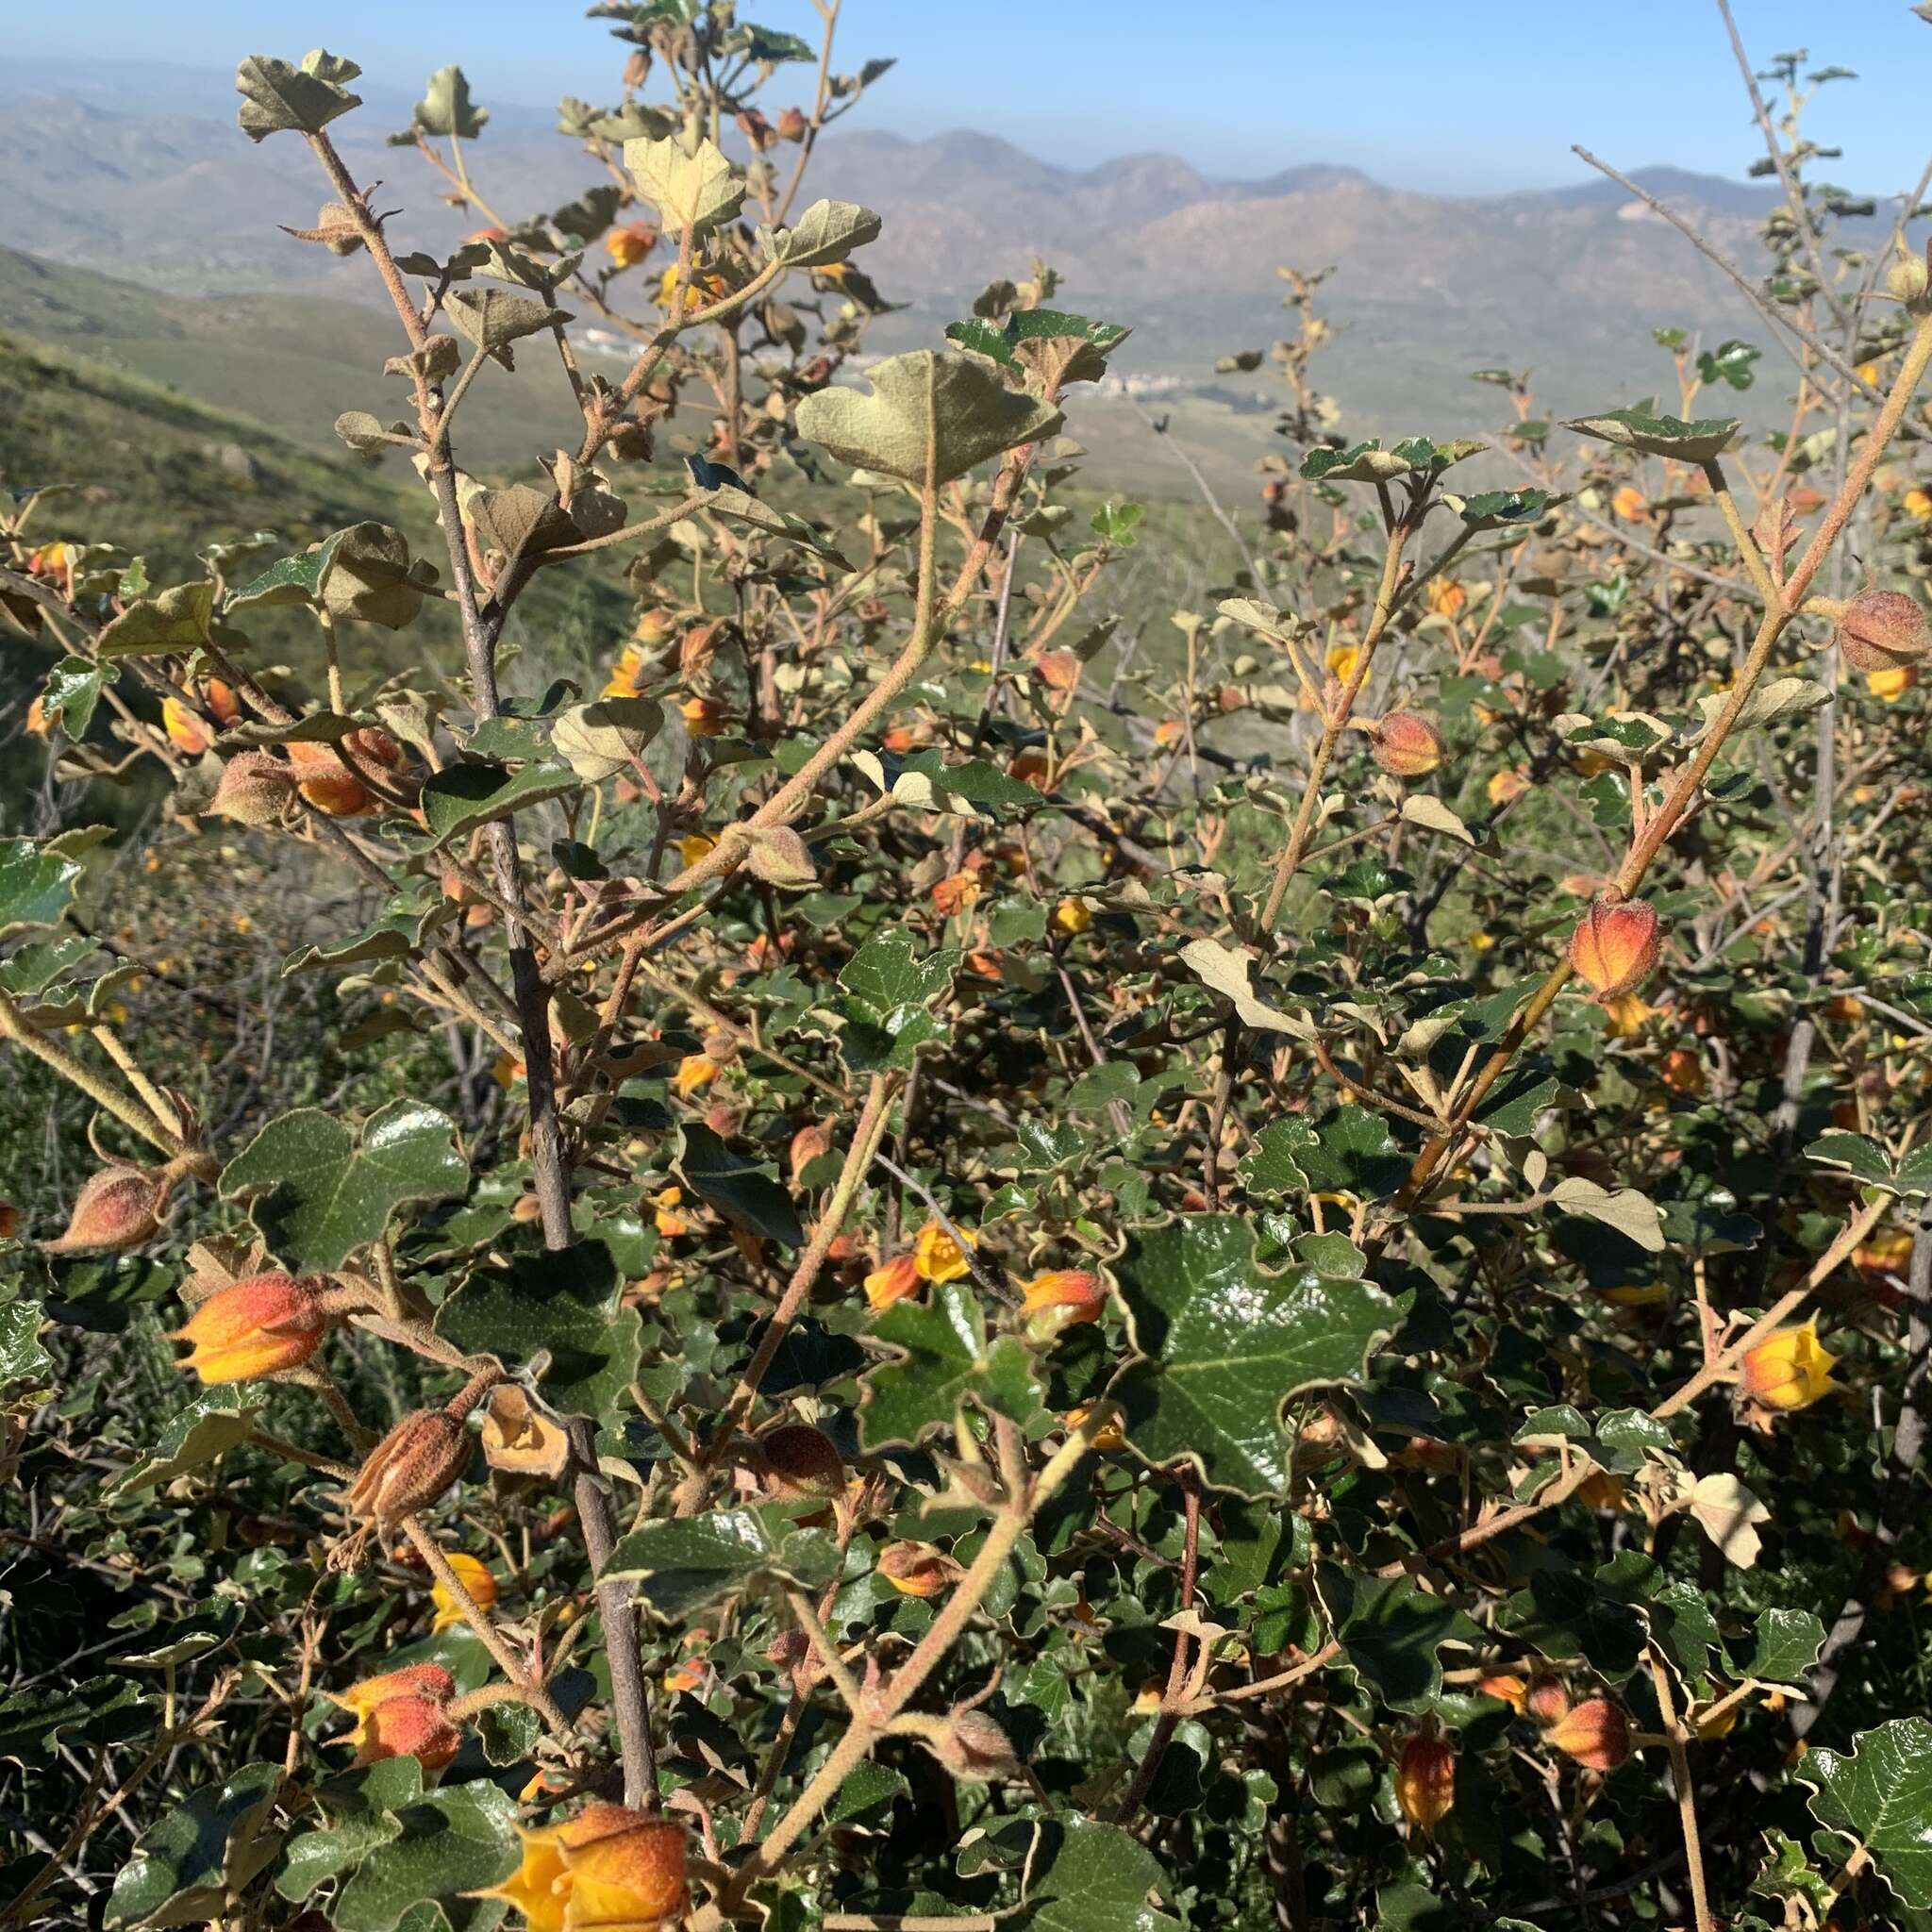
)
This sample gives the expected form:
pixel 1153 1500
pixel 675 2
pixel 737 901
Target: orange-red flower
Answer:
pixel 628 245
pixel 892 1281
pixel 1595 1733
pixel 1061 1299
pixel 403 1714
pixel 1425 1780
pixel 1615 946
pixel 1791 1369
pixel 262 1326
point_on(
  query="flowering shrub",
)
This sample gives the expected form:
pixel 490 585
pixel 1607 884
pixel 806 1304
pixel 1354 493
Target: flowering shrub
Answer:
pixel 953 1271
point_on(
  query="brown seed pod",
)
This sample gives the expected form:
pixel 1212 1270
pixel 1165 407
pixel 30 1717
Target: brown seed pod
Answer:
pixel 409 1468
pixel 118 1208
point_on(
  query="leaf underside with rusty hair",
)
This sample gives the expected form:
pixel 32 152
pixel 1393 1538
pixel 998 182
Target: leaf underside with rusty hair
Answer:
pixel 929 416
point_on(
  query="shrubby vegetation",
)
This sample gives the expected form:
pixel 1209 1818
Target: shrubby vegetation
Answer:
pixel 929 1262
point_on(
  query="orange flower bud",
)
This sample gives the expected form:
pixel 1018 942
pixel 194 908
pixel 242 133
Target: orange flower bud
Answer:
pixel 409 1468
pixel 1505 1687
pixel 1444 596
pixel 801 1460
pixel 695 1070
pixel 118 1208
pixel 703 717
pixel 429 1681
pixel 1108 1437
pixel 628 245
pixel 974 1748
pixel 1791 1369
pixel 917 1569
pixel 262 1326
pixel 1615 946
pixel 1072 917
pixel 327 783
pixel 1595 1733
pixel 1407 745
pixel 1881 629
pixel 1061 1299
pixel 1547 1701
pixel 1425 1780
pixel 222 702
pixel 1682 1071
pixel 255 789
pixel 957 894
pixel 892 1282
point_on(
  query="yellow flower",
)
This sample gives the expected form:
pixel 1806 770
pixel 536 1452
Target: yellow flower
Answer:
pixel 624 674
pixel 1444 596
pixel 937 1256
pixel 1108 1437
pixel 1628 504
pixel 1507 784
pixel 1627 1013
pixel 694 1069
pixel 474 1576
pixel 184 728
pixel 1892 683
pixel 1918 505
pixel 1073 916
pixel 692 848
pixel 1343 660
pixel 1791 1369
pixel 628 245
pixel 1481 942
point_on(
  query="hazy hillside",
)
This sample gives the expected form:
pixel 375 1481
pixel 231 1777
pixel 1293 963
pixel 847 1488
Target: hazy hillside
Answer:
pixel 141 175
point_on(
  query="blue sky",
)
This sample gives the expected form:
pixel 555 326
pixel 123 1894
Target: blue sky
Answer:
pixel 1462 95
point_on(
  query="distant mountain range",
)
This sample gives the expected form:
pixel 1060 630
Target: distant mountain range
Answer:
pixel 139 172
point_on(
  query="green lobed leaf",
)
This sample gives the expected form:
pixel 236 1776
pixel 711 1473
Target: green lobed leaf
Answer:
pixel 452 1843
pixel 563 1306
pixel 447 109
pixel 36 884
pixel 741 1190
pixel 321 1192
pixel 181 1866
pixel 942 1355
pixel 211 1424
pixel 1880 1793
pixel 459 798
pixel 170 621
pixel 1392 1632
pixel 72 689
pixel 682 1566
pixel 886 987
pixel 1660 436
pixel 1224 1344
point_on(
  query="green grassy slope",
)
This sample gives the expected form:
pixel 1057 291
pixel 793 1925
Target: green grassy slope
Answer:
pixel 164 476
pixel 292 364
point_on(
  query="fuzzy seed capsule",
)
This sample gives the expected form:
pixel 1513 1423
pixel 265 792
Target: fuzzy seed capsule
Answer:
pixel 118 1208
pixel 409 1468
pixel 255 789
